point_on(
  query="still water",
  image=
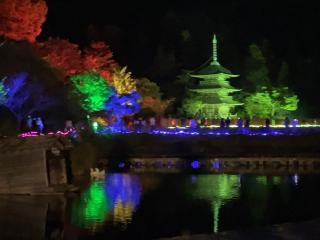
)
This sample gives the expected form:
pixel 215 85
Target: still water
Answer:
pixel 150 206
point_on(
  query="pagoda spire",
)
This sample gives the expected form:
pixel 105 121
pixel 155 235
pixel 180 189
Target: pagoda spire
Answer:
pixel 214 51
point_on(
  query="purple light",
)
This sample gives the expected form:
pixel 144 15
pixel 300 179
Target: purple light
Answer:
pixel 216 164
pixel 195 164
pixel 36 134
pixel 121 165
pixel 29 134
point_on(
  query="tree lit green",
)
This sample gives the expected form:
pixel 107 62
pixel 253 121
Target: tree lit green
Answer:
pixel 192 105
pixel 273 103
pixel 93 89
pixel 266 98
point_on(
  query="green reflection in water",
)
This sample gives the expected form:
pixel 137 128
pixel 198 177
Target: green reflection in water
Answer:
pixel 262 180
pixel 275 180
pixel 90 210
pixel 217 189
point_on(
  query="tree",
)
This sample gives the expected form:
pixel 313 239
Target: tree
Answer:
pixel 192 105
pixel 22 57
pixel 147 88
pixel 151 96
pixel 22 19
pixel 24 98
pixel 122 81
pixel 259 105
pixel 257 73
pixel 121 105
pixel 271 103
pixel 62 55
pixel 98 57
pixel 283 74
pixel 93 90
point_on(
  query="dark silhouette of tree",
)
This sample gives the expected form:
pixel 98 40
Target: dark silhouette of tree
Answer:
pixel 257 72
pixel 22 19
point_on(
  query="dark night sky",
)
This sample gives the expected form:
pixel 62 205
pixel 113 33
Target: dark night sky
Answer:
pixel 136 29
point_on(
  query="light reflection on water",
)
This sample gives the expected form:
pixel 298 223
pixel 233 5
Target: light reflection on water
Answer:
pixel 217 189
pixel 151 206
pixel 113 199
pixel 91 209
pixel 124 191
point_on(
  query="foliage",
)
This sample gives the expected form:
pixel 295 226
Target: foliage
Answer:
pixel 151 96
pixel 290 103
pixel 62 55
pixel 93 89
pixel 22 19
pixel 259 104
pixel 271 103
pixel 147 88
pixel 121 105
pixel 224 111
pixel 99 57
pixel 122 81
pixel 256 69
pixel 267 100
pixel 22 57
pixel 24 98
pixel 192 105
pixel 184 78
pixel 157 105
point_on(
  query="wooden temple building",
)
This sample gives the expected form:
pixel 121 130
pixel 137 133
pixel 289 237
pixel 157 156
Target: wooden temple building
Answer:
pixel 214 90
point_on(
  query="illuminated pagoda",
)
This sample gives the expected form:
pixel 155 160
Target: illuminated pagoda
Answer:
pixel 214 89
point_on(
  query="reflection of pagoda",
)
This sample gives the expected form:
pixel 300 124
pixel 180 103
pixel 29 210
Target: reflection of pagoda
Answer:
pixel 214 88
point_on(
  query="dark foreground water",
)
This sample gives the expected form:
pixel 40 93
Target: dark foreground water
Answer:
pixel 150 206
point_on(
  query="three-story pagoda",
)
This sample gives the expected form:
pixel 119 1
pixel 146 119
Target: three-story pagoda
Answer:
pixel 214 90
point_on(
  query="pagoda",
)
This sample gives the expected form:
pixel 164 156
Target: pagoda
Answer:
pixel 214 90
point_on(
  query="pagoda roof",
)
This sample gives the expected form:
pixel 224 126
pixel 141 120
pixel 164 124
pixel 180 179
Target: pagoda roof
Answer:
pixel 209 69
pixel 208 89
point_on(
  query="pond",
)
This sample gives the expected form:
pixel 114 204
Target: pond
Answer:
pixel 151 206
pixel 161 205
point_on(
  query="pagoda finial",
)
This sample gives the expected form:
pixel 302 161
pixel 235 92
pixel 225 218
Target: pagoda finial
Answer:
pixel 214 53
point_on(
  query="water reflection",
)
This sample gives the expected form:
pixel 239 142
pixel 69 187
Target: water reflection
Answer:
pixel 296 179
pixel 217 189
pixel 91 209
pixel 124 192
pixel 114 199
pixel 273 180
pixel 30 217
